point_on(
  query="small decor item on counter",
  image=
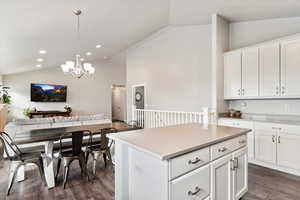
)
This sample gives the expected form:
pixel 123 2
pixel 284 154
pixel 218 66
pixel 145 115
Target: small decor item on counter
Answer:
pixel 68 108
pixel 235 113
pixel 28 110
pixel 4 96
pixel 231 113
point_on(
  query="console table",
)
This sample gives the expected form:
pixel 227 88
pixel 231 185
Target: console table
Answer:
pixel 49 113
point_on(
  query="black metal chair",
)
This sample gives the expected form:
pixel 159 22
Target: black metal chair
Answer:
pixel 75 153
pixel 19 158
pixel 103 148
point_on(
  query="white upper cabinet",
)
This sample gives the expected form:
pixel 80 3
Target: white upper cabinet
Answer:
pixel 290 68
pixel 269 70
pixel 250 72
pixel 232 75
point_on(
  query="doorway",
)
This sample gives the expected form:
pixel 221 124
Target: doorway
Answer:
pixel 118 103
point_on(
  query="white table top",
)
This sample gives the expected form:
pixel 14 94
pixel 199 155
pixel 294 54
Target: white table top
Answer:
pixel 168 142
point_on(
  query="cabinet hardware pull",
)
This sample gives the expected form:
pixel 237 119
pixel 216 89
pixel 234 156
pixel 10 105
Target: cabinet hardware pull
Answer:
pixel 223 149
pixel 236 163
pixel 279 139
pixel 232 165
pixel 197 190
pixel 192 162
pixel 242 141
pixel 273 138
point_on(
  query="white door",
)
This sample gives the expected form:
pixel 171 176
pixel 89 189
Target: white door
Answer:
pixel 221 178
pixel 232 75
pixel 269 70
pixel 119 103
pixel 265 146
pixel 250 72
pixel 287 148
pixel 290 68
pixel 240 174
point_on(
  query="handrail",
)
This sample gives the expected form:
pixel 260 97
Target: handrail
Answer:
pixel 162 118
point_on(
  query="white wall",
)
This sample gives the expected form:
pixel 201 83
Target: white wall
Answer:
pixel 86 96
pixel 175 65
pixel 252 32
pixel 220 44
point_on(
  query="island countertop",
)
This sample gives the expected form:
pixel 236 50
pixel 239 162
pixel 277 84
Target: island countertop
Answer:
pixel 168 142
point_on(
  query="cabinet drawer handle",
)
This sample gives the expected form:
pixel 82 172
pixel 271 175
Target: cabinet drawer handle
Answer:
pixel 223 149
pixel 279 139
pixel 242 141
pixel 193 162
pixel 197 190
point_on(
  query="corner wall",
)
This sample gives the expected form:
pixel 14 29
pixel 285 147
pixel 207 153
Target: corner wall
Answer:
pixel 175 66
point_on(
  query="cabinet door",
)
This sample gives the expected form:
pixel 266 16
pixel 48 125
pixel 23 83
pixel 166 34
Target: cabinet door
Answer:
pixel 286 148
pixel 221 179
pixel 240 174
pixel 290 68
pixel 250 72
pixel 265 146
pixel 232 75
pixel 251 145
pixel 269 70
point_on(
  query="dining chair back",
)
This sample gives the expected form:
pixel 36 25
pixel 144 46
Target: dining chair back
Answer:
pixel 101 148
pixel 76 153
pixel 19 159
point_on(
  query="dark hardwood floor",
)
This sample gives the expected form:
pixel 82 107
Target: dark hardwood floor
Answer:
pixel 264 184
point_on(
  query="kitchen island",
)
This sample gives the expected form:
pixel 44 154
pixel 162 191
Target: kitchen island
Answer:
pixel 190 161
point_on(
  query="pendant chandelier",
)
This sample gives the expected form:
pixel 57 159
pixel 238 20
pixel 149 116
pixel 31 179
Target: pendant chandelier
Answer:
pixel 78 68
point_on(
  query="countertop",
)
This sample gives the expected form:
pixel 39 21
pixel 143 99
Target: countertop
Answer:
pixel 168 142
pixel 266 120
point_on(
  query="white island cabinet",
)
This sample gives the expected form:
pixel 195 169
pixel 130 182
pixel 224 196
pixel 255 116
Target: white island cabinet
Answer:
pixel 184 162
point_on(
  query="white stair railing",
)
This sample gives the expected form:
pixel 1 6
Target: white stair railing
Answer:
pixel 162 118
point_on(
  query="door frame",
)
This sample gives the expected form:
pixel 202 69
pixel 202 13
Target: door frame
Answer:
pixel 133 97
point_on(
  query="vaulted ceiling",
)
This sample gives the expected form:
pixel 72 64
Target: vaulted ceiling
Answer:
pixel 33 25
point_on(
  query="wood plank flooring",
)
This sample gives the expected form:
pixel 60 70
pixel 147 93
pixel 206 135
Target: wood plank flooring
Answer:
pixel 264 184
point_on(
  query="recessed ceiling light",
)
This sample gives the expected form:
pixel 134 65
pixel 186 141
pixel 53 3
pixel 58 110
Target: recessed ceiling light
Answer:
pixel 105 57
pixel 42 51
pixel 40 59
pixel 88 53
pixel 81 59
pixel 38 65
pixel 98 46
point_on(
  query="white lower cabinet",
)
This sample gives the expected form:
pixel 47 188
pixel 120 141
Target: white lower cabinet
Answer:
pixel 273 144
pixel 221 178
pixel 265 146
pixel 286 147
pixel 225 178
pixel 240 174
pixel 229 176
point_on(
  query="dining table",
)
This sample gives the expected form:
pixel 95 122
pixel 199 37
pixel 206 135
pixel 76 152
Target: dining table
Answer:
pixel 48 137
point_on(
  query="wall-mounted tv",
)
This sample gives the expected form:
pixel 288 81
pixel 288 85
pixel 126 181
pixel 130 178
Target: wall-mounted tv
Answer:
pixel 48 93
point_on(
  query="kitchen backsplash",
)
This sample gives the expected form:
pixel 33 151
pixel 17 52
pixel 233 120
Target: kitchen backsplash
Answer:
pixel 273 107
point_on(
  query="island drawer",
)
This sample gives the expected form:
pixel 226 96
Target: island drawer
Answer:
pixel 228 146
pixel 194 185
pixel 187 162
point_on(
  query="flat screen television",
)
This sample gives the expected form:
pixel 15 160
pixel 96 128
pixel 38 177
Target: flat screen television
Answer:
pixel 48 93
